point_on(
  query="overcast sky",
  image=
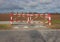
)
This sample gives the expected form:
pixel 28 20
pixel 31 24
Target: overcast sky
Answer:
pixel 41 6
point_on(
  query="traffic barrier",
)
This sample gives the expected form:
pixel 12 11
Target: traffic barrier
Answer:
pixel 29 17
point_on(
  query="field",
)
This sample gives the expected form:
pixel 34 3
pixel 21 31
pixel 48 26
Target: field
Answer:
pixel 55 20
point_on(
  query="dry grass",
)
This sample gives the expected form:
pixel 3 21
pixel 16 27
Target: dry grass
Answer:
pixel 5 26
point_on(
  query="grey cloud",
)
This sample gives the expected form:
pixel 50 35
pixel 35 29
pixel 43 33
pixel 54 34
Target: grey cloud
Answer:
pixel 30 4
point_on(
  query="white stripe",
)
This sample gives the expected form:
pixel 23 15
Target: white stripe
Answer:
pixel 14 14
pixel 49 24
pixel 31 14
pixel 28 20
pixel 49 18
pixel 11 22
pixel 11 17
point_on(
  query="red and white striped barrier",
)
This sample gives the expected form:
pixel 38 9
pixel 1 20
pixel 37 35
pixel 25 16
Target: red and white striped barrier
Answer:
pixel 11 18
pixel 49 19
pixel 29 19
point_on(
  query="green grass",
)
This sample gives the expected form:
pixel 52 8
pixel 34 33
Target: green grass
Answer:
pixel 55 24
pixel 56 21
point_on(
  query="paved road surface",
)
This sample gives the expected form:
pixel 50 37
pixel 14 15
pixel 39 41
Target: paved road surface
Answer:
pixel 30 36
pixel 4 22
pixel 45 35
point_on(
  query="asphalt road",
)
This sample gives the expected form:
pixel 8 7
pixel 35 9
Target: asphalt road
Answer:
pixel 30 36
pixel 46 35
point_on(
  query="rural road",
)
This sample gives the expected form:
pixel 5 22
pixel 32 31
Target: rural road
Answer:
pixel 43 35
pixel 30 36
pixel 4 22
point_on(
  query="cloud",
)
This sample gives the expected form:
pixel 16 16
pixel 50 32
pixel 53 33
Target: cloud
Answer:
pixel 46 1
pixel 30 5
pixel 1 1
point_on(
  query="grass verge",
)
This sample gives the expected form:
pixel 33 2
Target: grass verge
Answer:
pixel 5 26
pixel 55 24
